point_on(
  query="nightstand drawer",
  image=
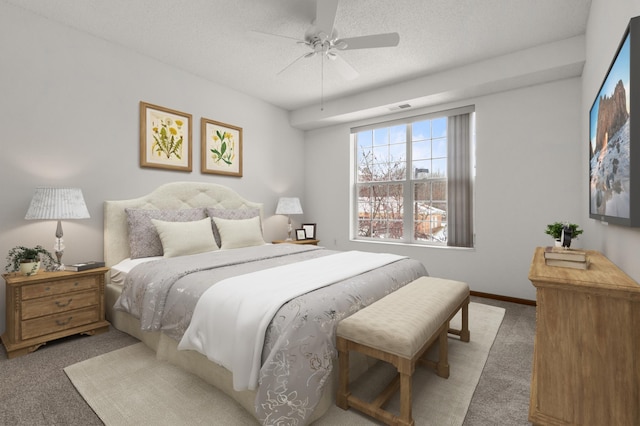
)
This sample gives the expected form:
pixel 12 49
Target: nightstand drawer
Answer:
pixel 50 324
pixel 57 287
pixel 43 306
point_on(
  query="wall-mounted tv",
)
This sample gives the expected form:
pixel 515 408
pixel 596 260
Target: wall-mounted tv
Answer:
pixel 614 137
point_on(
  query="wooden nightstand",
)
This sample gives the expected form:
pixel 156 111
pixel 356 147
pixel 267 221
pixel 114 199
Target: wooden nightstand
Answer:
pixel 51 305
pixel 310 242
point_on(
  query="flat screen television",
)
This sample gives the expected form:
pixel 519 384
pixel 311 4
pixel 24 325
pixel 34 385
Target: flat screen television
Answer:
pixel 614 137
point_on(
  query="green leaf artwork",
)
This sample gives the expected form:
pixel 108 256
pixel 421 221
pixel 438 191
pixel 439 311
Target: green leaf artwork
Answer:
pixel 223 148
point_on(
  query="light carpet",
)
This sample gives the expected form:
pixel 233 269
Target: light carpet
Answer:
pixel 130 386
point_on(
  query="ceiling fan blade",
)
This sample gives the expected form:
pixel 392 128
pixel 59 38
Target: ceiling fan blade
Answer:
pixel 305 55
pixel 343 67
pixel 368 42
pixel 325 15
pixel 278 36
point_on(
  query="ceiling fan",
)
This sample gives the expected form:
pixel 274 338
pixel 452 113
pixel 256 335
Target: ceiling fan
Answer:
pixel 322 39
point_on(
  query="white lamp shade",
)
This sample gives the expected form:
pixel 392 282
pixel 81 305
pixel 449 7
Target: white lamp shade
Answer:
pixel 57 203
pixel 289 206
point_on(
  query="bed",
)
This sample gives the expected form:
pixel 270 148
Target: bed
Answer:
pixel 159 299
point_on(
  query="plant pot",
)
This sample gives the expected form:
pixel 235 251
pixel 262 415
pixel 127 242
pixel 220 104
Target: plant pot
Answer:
pixel 29 268
pixel 558 243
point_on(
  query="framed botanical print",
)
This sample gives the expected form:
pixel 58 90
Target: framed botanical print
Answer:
pixel 221 148
pixel 165 138
pixel 300 235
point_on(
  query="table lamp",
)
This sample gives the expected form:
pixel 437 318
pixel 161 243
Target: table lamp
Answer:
pixel 288 206
pixel 57 204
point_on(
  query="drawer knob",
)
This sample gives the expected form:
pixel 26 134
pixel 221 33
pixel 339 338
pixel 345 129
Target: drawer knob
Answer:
pixel 61 323
pixel 60 304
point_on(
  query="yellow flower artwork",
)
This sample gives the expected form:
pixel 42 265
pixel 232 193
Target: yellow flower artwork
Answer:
pixel 165 138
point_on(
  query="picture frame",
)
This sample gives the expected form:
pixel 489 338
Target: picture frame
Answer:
pixel 165 138
pixel 309 230
pixel 221 148
pixel 614 137
pixel 301 235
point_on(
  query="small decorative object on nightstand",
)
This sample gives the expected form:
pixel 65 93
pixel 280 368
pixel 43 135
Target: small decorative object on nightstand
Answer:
pixel 51 305
pixel 28 260
pixel 310 230
pixel 309 242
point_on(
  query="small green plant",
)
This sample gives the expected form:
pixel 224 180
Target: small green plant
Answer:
pixel 555 229
pixel 21 254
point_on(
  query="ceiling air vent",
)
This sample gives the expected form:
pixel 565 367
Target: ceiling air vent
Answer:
pixel 399 107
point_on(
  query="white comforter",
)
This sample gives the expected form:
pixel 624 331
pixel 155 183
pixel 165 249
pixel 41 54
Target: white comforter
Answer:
pixel 230 319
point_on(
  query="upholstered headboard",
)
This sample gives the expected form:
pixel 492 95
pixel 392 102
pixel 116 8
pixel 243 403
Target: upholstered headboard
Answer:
pixel 174 196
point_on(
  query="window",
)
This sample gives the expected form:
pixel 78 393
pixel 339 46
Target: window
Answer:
pixel 413 180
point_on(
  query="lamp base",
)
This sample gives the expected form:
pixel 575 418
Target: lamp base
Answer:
pixel 290 230
pixel 58 246
pixel 59 259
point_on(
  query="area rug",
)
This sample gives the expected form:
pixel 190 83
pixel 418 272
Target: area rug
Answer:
pixel 130 386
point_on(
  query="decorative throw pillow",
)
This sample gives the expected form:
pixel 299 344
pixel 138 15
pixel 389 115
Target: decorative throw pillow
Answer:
pixel 239 233
pixel 143 237
pixel 232 214
pixel 183 238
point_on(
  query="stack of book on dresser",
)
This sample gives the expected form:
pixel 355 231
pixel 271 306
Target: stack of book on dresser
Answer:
pixel 566 258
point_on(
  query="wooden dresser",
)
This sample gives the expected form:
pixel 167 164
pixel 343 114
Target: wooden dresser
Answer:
pixel 586 362
pixel 50 305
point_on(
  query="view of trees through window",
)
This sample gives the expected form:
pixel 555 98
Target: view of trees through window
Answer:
pixel 401 182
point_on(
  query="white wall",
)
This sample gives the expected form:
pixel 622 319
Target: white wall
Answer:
pixel 522 136
pixel 608 20
pixel 69 112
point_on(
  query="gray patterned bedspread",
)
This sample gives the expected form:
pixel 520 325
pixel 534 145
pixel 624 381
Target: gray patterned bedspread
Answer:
pixel 299 345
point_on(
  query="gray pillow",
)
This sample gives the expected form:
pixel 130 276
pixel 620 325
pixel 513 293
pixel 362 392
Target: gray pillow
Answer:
pixel 144 240
pixel 229 214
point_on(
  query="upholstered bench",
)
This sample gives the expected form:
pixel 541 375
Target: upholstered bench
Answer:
pixel 399 329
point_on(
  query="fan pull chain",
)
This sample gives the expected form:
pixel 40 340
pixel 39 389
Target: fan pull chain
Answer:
pixel 322 82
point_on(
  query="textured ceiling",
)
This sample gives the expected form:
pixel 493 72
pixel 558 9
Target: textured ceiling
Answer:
pixel 223 40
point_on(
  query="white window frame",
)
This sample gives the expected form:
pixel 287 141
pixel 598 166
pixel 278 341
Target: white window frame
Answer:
pixel 409 182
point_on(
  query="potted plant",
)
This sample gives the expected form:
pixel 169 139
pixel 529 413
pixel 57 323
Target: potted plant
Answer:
pixel 28 260
pixel 555 230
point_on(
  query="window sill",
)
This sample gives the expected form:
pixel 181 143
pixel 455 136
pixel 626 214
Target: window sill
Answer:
pixel 428 246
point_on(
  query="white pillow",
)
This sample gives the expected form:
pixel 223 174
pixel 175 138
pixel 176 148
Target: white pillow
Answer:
pixel 239 233
pixel 183 238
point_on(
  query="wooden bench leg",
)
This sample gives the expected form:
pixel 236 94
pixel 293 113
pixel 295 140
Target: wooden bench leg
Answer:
pixel 343 374
pixel 465 336
pixel 405 370
pixel 464 333
pixel 442 368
